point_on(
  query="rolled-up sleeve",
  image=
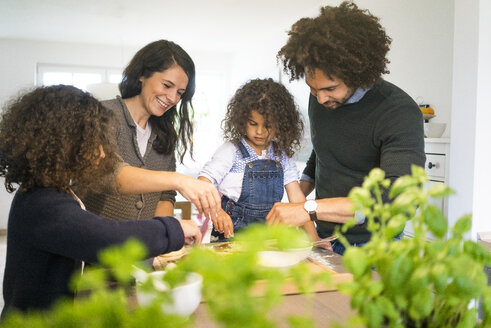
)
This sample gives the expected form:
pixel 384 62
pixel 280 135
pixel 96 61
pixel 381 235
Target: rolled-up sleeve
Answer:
pixel 290 171
pixel 220 164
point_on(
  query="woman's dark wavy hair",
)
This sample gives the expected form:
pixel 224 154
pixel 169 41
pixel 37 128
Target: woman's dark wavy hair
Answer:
pixel 273 101
pixel 51 137
pixel 157 57
pixel 343 41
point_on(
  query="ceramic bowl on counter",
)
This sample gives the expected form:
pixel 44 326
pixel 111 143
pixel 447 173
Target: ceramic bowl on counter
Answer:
pixel 434 130
pixel 185 296
pixel 283 259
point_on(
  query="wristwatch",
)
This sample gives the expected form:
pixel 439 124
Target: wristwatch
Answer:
pixel 311 206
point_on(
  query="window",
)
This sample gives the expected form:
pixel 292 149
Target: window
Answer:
pixel 78 76
pixel 208 102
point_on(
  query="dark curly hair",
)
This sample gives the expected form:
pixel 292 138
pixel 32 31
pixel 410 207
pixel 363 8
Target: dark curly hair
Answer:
pixel 273 101
pixel 343 41
pixel 157 57
pixel 51 137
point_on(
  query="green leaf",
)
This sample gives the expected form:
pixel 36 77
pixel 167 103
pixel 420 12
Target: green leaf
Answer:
pixel 468 320
pixel 468 278
pixel 440 190
pixel 375 288
pixel 122 259
pixel 373 314
pixel 395 271
pixel 421 303
pixel 407 201
pixel 361 197
pixel 463 225
pixel 355 260
pixel 301 322
pixel 387 307
pixel 395 226
pixel 401 184
pixel 348 287
pixel 373 179
pixel 477 252
pixel 436 222
pixel 419 173
pixel 439 276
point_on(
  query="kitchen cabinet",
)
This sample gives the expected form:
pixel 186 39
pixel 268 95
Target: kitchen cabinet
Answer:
pixel 437 152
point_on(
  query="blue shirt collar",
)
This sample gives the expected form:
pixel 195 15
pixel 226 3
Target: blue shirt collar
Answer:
pixel 357 95
pixel 253 153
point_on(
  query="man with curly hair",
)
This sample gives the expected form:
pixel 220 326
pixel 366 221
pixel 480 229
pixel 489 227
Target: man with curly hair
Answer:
pixel 358 120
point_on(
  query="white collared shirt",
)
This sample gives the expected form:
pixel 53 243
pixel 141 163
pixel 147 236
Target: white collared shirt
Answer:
pixel 226 168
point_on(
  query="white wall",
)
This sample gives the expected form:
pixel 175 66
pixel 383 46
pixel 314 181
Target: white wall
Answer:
pixel 421 52
pixel 482 186
pixel 421 56
pixel 470 173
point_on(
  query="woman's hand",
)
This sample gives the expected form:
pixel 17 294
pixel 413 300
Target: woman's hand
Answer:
pixel 192 235
pixel 223 224
pixel 134 180
pixel 202 194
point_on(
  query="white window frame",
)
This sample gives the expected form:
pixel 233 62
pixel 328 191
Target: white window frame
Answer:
pixel 105 72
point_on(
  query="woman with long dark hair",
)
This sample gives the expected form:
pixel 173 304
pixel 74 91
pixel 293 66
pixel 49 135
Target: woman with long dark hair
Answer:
pixel 154 113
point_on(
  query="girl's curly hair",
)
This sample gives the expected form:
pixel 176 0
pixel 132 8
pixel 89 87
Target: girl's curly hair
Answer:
pixel 273 101
pixel 343 41
pixel 51 137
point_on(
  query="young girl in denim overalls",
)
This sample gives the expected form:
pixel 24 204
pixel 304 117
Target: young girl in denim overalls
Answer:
pixel 262 128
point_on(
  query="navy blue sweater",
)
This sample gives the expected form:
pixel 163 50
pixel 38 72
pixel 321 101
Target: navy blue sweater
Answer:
pixel 49 235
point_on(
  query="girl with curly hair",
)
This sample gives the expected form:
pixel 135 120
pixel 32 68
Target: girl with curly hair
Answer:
pixel 263 129
pixel 154 122
pixel 52 140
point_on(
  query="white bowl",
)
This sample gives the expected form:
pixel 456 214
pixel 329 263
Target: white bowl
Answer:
pixel 434 130
pixel 186 296
pixel 283 259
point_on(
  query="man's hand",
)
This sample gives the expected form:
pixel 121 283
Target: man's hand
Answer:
pixel 223 224
pixel 289 214
pixel 192 235
pixel 202 194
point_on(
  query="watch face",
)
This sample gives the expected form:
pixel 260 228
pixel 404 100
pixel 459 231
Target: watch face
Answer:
pixel 310 205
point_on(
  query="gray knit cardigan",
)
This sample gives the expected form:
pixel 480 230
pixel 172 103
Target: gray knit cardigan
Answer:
pixel 112 205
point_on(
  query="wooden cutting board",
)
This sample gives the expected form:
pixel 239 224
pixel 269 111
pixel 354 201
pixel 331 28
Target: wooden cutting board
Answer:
pixel 320 260
pixel 290 288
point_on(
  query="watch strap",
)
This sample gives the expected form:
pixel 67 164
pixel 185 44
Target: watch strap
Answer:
pixel 313 216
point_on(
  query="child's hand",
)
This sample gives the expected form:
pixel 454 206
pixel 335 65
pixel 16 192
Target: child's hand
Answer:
pixel 223 224
pixel 192 234
pixel 313 236
pixel 325 244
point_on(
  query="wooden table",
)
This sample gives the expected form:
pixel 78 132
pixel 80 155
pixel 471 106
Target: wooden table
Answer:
pixel 326 307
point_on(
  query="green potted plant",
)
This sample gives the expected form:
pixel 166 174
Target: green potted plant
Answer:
pixel 229 287
pixel 230 281
pixel 414 282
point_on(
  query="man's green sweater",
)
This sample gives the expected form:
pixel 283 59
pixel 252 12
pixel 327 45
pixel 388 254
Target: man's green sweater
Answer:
pixel 384 129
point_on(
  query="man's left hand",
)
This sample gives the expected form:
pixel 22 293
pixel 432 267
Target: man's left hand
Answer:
pixel 289 214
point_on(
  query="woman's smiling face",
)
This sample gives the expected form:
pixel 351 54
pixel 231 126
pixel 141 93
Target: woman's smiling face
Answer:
pixel 163 90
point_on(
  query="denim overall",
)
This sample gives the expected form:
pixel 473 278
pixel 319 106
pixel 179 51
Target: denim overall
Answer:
pixel 262 186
